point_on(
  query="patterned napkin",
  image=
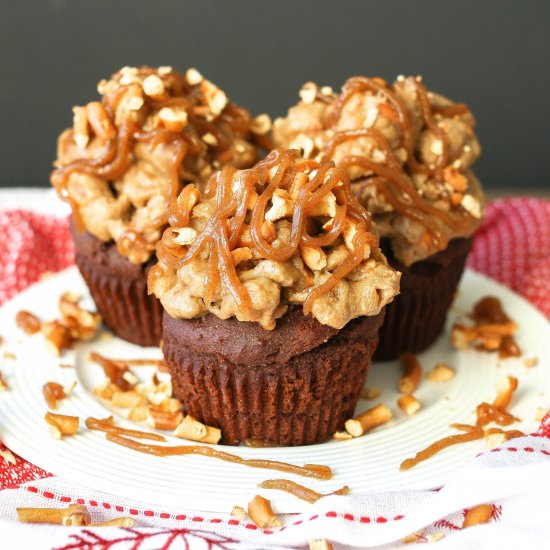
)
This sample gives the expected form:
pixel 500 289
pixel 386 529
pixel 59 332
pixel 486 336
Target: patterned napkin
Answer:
pixel 512 246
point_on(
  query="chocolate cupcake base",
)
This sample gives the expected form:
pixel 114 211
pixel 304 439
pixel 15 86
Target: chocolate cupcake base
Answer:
pixel 119 290
pixel 416 317
pixel 295 385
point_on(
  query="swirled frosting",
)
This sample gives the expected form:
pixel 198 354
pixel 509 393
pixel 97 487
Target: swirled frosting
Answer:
pixel 407 151
pixel 152 132
pixel 287 232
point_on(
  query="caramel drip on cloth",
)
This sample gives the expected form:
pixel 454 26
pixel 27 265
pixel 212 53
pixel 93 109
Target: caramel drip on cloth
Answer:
pixel 389 178
pixel 308 470
pixel 299 491
pixel 281 169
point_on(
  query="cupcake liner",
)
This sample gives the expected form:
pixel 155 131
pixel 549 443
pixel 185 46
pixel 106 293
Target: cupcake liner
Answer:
pixel 300 402
pixel 119 290
pixel 416 317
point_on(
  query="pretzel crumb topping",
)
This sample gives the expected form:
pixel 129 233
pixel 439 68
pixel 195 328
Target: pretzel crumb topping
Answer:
pixel 261 513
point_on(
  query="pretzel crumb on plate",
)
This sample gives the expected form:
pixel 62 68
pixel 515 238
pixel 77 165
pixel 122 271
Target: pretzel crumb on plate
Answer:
pixel 61 424
pixel 492 331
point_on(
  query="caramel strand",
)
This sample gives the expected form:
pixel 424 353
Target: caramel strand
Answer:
pixel 308 470
pixel 471 435
pixel 224 228
pixel 389 176
pixel 106 425
pixel 115 158
pixel 299 491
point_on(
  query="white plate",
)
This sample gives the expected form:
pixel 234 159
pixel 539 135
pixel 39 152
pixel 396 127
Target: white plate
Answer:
pixel 367 464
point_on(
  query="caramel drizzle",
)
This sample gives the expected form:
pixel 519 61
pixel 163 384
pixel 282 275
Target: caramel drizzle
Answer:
pixel 308 470
pixel 107 425
pixel 388 177
pixel 299 491
pixel 116 157
pixel 224 228
pixel 485 414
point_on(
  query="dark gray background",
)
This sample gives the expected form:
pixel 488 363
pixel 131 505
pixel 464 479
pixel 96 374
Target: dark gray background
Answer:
pixel 494 55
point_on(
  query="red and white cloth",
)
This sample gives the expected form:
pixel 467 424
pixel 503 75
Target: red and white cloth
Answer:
pixel 512 246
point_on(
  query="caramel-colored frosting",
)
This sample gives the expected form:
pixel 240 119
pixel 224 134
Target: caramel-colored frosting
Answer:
pixel 153 131
pixel 407 151
pixel 288 231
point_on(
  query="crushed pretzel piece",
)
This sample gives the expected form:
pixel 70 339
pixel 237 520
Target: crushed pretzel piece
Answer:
pixel 441 373
pixel 81 323
pixel 435 537
pixel 320 544
pixel 138 414
pixel 28 322
pixel 106 390
pixel 261 513
pixel 415 537
pixel 7 455
pixel 58 337
pixel 342 436
pixel 530 362
pixel 116 522
pixel 9 355
pixel 238 512
pixel 53 393
pixel 494 437
pixel 127 399
pixel 408 404
pixel 478 515
pixel 163 420
pixel 368 420
pixel 540 413
pixel 116 372
pixel 492 331
pixel 60 424
pixel 3 384
pixel 192 429
pixel 412 373
pixel 75 515
pixel 370 393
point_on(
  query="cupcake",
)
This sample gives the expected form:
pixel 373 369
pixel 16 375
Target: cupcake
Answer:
pixel 153 132
pixel 274 289
pixel 408 153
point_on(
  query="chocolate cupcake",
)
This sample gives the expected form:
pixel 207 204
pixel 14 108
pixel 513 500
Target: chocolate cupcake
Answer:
pixel 153 132
pixel 408 153
pixel 274 289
